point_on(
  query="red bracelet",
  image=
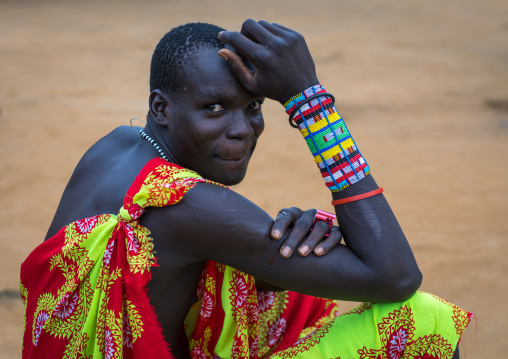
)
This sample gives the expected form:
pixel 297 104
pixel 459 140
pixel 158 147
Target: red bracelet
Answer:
pixel 357 197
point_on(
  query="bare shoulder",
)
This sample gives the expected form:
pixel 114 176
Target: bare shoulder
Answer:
pixel 114 160
pixel 102 177
pixel 118 138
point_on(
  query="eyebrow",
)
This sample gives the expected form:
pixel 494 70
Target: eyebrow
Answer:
pixel 216 94
pixel 219 95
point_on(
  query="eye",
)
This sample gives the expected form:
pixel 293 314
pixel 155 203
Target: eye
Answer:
pixel 215 107
pixel 255 105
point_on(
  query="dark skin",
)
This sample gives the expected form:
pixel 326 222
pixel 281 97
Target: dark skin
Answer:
pixel 212 127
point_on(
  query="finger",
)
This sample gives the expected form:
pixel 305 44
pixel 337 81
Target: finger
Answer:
pixel 315 237
pixel 256 32
pixel 329 243
pixel 242 43
pixel 239 70
pixel 272 28
pixel 283 28
pixel 284 218
pixel 298 232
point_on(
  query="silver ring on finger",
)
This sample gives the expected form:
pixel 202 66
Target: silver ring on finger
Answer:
pixel 282 213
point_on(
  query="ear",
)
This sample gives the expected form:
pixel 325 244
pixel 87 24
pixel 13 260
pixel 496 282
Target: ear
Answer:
pixel 159 107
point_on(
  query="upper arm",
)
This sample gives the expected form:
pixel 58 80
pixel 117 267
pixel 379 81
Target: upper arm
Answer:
pixel 218 224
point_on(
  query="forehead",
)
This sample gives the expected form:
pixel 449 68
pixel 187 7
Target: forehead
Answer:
pixel 207 74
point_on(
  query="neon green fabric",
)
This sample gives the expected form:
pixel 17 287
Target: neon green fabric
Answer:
pixel 424 326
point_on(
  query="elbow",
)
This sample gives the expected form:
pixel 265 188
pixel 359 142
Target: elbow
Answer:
pixel 402 286
pixel 407 285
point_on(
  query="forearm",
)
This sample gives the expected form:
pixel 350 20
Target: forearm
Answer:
pixel 371 231
pixel 369 227
pixel 214 223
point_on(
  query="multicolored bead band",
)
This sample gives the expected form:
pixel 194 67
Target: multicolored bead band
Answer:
pixel 326 134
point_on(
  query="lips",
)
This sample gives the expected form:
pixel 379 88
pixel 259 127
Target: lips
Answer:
pixel 232 158
pixel 227 158
pixel 235 156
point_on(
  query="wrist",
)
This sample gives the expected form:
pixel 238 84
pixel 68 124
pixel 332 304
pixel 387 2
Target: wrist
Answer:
pixel 297 89
pixel 300 97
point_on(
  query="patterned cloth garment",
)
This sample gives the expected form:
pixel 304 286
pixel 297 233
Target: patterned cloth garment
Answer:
pixel 88 299
pixel 339 160
pixel 423 327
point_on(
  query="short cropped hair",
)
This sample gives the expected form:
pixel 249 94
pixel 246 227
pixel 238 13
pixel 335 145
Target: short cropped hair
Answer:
pixel 169 58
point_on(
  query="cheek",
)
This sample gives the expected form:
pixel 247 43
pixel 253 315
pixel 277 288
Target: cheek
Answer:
pixel 258 125
pixel 202 146
pixel 205 138
pixel 197 133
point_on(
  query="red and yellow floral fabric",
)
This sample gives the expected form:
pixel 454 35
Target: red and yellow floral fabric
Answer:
pixel 423 327
pixel 84 292
pixel 234 320
pixel 84 289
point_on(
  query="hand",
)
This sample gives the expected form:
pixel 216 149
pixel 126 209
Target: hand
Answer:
pixel 282 61
pixel 300 236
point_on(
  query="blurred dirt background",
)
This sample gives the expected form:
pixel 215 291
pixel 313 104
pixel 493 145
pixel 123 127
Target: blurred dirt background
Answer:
pixel 423 87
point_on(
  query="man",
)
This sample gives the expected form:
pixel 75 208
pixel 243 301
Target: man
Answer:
pixel 205 116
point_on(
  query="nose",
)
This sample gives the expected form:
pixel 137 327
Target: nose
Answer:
pixel 240 127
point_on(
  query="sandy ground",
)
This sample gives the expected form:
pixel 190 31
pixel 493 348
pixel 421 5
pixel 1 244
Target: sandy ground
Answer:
pixel 423 87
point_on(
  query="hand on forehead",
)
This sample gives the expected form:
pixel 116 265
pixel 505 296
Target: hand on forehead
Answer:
pixel 283 64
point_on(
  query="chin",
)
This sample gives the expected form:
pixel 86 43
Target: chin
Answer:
pixel 227 178
pixel 234 182
pixel 231 180
pixel 228 175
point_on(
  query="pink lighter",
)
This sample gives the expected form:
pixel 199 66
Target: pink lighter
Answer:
pixel 329 218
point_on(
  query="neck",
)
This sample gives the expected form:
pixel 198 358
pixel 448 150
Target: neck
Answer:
pixel 156 132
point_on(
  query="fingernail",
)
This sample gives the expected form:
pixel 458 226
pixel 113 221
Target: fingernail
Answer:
pixel 318 250
pixel 276 234
pixel 220 33
pixel 303 250
pixel 223 56
pixel 286 251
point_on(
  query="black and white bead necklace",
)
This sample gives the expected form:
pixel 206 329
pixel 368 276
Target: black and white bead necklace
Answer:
pixel 154 144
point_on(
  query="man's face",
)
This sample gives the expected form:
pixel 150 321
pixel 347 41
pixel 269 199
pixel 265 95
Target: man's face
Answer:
pixel 214 122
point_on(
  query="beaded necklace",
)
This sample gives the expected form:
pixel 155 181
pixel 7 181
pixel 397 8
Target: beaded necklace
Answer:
pixel 154 144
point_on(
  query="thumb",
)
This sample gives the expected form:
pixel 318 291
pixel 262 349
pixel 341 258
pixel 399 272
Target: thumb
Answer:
pixel 242 73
